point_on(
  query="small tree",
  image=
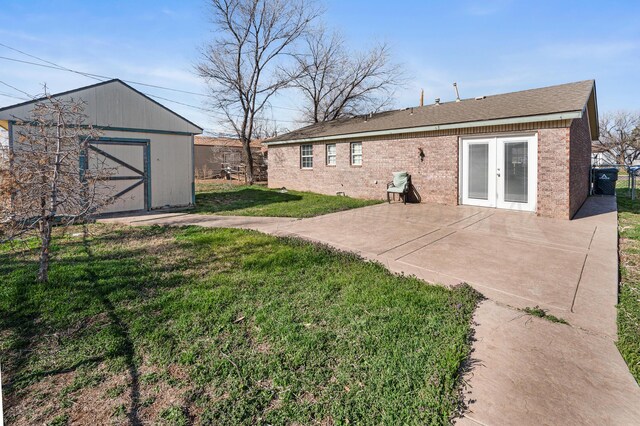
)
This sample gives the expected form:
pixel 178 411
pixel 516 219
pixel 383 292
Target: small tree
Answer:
pixel 338 83
pixel 620 136
pixel 242 65
pixel 43 182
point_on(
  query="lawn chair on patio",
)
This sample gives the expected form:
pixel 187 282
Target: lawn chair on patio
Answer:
pixel 400 185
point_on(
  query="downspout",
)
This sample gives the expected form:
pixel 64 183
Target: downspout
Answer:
pixel 193 172
pixel 460 175
pixel 10 129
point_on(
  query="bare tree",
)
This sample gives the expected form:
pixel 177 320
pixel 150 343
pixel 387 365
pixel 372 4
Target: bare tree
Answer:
pixel 265 128
pixel 242 65
pixel 337 83
pixel 42 179
pixel 620 136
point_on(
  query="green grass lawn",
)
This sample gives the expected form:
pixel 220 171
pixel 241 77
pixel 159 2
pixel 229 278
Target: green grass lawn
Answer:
pixel 219 326
pixel 629 302
pixel 256 200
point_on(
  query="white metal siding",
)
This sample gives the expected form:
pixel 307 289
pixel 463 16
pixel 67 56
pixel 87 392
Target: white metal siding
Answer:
pixel 170 167
pixel 115 105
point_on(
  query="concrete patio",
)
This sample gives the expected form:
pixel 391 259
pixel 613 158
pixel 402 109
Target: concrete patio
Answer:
pixel 525 370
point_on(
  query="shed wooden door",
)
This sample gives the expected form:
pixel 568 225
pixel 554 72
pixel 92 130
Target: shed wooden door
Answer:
pixel 127 164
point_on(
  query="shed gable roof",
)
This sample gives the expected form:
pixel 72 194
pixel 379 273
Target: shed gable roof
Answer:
pixel 115 104
pixel 527 105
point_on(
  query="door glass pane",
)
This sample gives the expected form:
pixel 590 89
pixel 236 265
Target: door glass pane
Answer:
pixel 516 172
pixel 479 171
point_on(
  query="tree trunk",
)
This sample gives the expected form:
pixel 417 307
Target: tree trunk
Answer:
pixel 45 237
pixel 249 161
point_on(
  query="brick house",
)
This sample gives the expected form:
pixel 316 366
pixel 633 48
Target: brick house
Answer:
pixel 527 150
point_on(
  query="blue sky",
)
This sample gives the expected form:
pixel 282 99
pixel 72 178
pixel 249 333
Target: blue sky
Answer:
pixel 488 47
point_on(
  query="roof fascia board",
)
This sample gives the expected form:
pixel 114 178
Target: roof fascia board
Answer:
pixel 65 93
pixel 595 109
pixel 129 129
pixel 483 123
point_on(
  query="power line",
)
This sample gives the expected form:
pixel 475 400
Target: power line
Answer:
pixel 8 95
pixel 53 65
pixel 98 77
pixel 15 88
pixel 182 103
pixel 95 76
pixel 136 83
pixel 209 111
pixel 48 62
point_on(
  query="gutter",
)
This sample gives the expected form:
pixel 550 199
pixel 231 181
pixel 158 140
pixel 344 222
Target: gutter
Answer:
pixel 193 171
pixel 128 129
pixel 10 131
pixel 482 123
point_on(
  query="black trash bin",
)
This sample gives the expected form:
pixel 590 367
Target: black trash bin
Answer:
pixel 604 181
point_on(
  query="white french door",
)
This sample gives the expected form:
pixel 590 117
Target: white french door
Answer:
pixel 500 172
pixel 478 169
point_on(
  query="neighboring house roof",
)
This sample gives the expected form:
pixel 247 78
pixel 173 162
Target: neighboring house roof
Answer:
pixel 565 101
pixel 113 104
pixel 220 141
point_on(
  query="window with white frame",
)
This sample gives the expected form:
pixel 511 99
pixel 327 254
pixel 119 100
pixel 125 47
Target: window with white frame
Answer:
pixel 356 153
pixel 306 156
pixel 331 154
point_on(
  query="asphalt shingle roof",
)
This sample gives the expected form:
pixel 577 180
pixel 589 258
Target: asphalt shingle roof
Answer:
pixel 568 97
pixel 222 141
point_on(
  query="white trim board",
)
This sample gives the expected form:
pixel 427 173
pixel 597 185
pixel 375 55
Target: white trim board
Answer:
pixel 483 123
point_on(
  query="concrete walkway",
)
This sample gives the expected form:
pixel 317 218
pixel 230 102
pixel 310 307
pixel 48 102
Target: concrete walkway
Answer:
pixel 525 370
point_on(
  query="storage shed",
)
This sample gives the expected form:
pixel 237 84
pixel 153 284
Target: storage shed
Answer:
pixel 149 147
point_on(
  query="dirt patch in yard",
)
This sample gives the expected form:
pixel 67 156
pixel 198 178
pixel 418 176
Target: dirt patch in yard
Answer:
pixel 114 399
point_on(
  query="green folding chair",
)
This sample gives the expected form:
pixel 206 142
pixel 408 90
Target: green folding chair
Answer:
pixel 400 185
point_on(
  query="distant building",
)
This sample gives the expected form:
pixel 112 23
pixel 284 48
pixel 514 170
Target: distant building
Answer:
pixel 222 158
pixel 601 157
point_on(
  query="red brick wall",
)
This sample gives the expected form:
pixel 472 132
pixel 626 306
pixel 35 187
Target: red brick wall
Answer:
pixel 580 163
pixel 435 179
pixel 563 179
pixel 553 173
pixel 564 162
